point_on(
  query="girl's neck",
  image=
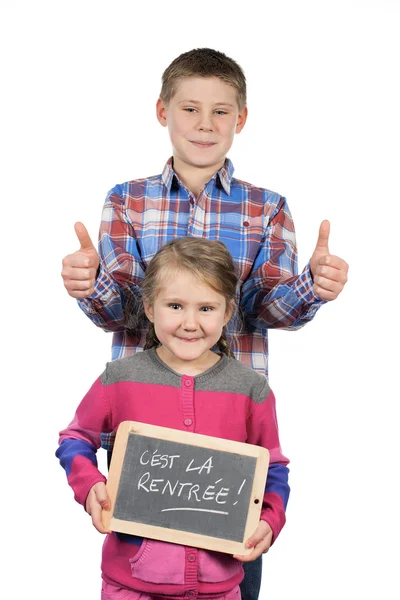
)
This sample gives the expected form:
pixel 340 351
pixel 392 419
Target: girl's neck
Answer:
pixel 192 368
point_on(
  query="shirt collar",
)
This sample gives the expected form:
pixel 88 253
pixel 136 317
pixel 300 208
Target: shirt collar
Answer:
pixel 224 175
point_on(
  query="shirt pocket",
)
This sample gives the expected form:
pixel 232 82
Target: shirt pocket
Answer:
pixel 217 566
pixel 159 562
pixel 243 237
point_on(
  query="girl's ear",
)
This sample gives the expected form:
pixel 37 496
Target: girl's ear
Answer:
pixel 148 309
pixel 228 312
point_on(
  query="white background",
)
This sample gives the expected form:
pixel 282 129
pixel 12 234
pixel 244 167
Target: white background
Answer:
pixel 80 81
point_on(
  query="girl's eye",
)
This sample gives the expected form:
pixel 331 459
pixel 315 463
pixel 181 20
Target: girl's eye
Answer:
pixel 174 306
pixel 206 308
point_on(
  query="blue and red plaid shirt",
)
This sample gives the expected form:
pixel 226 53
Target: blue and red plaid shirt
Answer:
pixel 254 223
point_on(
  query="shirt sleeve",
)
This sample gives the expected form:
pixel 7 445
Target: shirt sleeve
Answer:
pixel 79 442
pixel 262 430
pixel 121 269
pixel 274 295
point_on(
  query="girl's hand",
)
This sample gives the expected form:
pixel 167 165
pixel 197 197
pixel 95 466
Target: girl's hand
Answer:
pixel 96 501
pixel 260 541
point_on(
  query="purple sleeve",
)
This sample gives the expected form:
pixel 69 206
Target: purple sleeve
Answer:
pixel 262 430
pixel 79 442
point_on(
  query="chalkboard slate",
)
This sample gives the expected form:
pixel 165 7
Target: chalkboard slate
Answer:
pixel 185 487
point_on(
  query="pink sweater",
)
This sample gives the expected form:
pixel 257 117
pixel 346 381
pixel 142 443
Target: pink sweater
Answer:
pixel 229 401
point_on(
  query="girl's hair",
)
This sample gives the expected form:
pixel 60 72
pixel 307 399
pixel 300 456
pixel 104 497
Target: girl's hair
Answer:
pixel 204 62
pixel 208 260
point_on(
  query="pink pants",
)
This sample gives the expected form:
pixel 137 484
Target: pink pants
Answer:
pixel 111 592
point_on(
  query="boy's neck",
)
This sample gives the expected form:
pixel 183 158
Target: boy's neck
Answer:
pixel 195 178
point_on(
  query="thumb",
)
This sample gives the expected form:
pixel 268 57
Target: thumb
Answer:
pixel 83 237
pixel 323 236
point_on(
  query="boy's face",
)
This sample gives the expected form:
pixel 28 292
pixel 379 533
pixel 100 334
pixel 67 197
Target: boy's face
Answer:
pixel 202 118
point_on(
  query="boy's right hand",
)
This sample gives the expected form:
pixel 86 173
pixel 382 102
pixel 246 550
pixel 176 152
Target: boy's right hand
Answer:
pixel 96 501
pixel 80 268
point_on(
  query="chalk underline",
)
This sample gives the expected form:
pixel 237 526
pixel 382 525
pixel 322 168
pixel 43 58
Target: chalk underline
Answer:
pixel 218 512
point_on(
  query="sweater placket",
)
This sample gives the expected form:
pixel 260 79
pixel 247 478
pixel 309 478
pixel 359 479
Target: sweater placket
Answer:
pixel 191 554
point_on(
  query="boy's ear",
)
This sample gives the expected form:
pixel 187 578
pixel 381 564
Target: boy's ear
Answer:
pixel 161 111
pixel 148 309
pixel 241 121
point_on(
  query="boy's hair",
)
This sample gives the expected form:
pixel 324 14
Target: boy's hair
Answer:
pixel 204 62
pixel 208 260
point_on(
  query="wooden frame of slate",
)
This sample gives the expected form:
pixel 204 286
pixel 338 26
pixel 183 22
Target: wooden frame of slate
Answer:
pixel 185 488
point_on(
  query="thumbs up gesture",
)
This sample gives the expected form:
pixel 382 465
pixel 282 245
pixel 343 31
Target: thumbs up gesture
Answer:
pixel 329 272
pixel 80 268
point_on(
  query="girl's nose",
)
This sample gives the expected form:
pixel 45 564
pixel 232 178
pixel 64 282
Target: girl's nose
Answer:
pixel 189 321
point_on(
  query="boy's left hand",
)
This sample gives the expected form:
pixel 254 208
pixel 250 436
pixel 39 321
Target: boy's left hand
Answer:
pixel 260 541
pixel 329 272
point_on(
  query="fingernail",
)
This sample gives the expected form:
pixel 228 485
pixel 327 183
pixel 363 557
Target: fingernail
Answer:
pixel 249 544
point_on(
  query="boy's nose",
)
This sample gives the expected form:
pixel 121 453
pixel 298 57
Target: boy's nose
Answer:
pixel 205 123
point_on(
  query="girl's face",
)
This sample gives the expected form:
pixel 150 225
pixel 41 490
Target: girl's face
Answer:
pixel 188 318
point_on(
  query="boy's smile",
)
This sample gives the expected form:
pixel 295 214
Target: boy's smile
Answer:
pixel 202 118
pixel 204 144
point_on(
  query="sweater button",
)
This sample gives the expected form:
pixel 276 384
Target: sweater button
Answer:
pixel 191 593
pixel 191 557
pixel 188 383
pixel 188 422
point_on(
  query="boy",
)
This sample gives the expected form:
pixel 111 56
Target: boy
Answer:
pixel 203 104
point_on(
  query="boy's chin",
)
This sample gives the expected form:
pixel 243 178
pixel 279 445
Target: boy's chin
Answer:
pixel 205 162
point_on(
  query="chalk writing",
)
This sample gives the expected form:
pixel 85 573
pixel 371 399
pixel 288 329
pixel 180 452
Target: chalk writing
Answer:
pixel 163 478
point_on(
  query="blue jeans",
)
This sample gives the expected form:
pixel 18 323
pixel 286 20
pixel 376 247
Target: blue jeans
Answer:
pixel 250 586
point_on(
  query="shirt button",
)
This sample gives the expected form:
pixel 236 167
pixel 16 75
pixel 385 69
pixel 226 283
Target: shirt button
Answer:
pixel 191 557
pixel 191 201
pixel 188 383
pixel 246 223
pixel 188 422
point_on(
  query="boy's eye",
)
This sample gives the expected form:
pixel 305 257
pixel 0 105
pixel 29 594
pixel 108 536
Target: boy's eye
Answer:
pixel 190 109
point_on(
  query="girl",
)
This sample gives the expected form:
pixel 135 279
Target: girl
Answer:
pixel 185 379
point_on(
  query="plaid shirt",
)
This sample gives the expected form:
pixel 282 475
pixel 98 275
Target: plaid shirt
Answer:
pixel 254 223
